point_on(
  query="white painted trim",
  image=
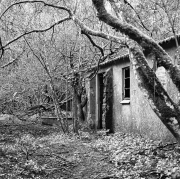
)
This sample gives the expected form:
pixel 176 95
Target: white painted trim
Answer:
pixel 125 101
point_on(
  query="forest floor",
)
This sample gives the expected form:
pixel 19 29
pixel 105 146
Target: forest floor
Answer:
pixel 36 151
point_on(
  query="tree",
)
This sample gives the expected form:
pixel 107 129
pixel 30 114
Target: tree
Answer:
pixel 138 42
pixel 162 104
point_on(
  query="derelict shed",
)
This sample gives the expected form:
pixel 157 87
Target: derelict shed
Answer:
pixel 116 102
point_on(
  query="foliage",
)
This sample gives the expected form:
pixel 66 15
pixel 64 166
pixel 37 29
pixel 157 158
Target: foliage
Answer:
pixel 22 167
pixel 138 157
pixel 87 155
pixel 16 154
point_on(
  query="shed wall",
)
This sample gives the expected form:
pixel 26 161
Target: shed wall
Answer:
pixel 136 117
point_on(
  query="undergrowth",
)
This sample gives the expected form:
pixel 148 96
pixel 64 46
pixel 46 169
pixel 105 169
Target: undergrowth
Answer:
pixel 140 158
pixel 55 155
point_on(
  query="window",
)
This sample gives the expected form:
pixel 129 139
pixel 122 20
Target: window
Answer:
pixel 126 83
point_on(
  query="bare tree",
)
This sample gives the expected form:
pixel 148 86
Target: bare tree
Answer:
pixel 167 110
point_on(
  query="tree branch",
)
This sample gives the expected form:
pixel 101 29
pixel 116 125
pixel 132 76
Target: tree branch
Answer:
pixel 12 61
pixel 163 59
pixel 41 62
pixel 83 27
pixel 96 33
pixel 158 98
pixel 93 43
pixel 2 49
pixel 42 2
pixel 35 31
pixel 126 2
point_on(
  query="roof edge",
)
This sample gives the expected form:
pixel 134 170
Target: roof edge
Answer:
pixel 166 43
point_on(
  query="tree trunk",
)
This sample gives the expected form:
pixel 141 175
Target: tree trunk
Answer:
pixel 75 116
pixel 148 44
pixel 80 111
pixel 161 103
pixel 78 103
pixel 108 101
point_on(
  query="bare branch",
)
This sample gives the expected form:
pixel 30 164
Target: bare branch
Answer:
pixel 163 59
pixel 39 59
pixel 126 2
pixel 52 34
pixel 35 31
pixel 170 22
pixel 71 16
pixel 99 62
pixel 93 43
pixel 42 2
pixel 76 5
pixel 2 49
pixel 12 61
pixel 96 33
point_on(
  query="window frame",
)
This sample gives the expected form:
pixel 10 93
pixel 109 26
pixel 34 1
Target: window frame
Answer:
pixel 123 83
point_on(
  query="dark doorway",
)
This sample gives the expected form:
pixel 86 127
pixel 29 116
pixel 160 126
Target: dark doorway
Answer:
pixel 105 100
pixel 108 100
pixel 101 91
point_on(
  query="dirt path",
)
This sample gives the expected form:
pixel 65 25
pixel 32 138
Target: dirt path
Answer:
pixel 62 157
pixel 78 160
pixel 43 152
pixel 91 163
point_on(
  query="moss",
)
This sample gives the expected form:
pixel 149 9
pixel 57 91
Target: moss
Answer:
pixel 166 111
pixel 164 106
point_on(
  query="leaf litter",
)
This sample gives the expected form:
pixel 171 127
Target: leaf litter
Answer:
pixel 44 152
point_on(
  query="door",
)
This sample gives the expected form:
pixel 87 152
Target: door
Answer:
pixel 100 100
pixel 108 100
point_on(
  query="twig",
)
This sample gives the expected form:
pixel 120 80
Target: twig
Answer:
pixel 12 61
pixel 142 152
pixel 35 31
pixel 126 2
pixel 93 43
pixel 42 2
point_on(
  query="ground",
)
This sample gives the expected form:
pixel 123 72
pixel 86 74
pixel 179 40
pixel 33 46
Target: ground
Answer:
pixel 57 155
pixel 36 151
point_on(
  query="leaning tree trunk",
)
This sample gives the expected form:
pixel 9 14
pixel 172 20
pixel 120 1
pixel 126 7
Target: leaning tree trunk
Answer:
pixel 162 104
pixel 148 44
pixel 158 98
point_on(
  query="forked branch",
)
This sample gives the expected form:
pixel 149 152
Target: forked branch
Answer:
pixel 163 59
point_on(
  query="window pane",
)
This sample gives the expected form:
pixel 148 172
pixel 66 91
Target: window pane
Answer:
pixel 127 72
pixel 127 83
pixel 127 93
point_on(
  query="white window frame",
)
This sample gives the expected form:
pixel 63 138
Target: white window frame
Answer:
pixel 124 78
